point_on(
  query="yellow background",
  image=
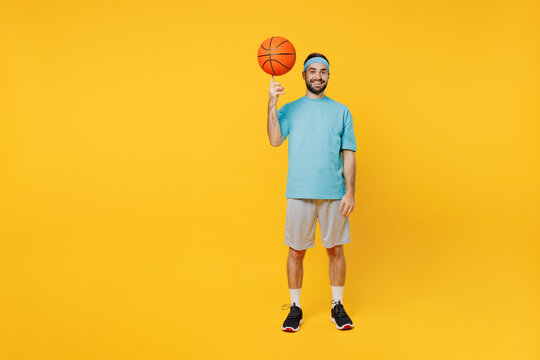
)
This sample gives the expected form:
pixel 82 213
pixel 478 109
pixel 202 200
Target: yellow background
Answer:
pixel 143 209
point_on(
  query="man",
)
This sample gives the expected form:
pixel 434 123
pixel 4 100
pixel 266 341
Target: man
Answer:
pixel 320 182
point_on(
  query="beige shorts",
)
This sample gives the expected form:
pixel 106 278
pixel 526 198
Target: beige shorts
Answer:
pixel 301 220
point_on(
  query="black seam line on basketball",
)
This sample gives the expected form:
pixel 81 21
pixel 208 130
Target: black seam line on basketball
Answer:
pixel 265 61
pixel 277 54
pixel 275 47
pixel 269 45
pixel 276 61
pixel 278 45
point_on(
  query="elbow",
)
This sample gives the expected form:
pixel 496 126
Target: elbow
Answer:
pixel 276 142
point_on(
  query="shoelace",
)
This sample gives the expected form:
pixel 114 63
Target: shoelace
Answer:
pixel 294 310
pixel 340 311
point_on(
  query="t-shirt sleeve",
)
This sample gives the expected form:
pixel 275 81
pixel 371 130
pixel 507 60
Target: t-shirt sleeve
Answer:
pixel 284 122
pixel 348 141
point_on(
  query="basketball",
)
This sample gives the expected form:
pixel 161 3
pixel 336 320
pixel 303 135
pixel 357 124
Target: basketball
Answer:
pixel 276 55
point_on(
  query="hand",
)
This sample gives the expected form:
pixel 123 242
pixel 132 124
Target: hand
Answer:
pixel 275 90
pixel 347 204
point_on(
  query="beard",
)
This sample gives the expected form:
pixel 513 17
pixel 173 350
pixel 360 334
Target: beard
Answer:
pixel 315 90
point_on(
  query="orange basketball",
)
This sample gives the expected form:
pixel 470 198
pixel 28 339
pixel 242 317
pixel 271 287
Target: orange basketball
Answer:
pixel 276 55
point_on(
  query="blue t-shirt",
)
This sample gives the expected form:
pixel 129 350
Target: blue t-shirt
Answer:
pixel 318 129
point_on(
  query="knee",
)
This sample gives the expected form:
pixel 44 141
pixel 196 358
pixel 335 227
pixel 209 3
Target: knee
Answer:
pixel 335 252
pixel 297 254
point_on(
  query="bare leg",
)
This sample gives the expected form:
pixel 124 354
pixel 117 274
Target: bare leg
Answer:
pixel 295 268
pixel 337 265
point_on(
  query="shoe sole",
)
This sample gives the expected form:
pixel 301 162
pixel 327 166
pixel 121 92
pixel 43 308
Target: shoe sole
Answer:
pixel 344 327
pixel 290 329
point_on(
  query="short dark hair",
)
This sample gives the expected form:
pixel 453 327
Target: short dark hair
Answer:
pixel 312 55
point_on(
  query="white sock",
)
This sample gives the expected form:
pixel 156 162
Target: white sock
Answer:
pixel 295 296
pixel 337 294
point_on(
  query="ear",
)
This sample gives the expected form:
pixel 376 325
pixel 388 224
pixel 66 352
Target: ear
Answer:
pixel 304 75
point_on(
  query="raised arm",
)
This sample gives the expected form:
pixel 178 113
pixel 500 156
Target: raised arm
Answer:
pixel 274 131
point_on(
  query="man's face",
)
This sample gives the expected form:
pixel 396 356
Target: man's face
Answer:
pixel 316 77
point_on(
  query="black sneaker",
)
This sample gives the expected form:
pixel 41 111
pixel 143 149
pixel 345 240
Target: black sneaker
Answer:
pixel 294 319
pixel 340 317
